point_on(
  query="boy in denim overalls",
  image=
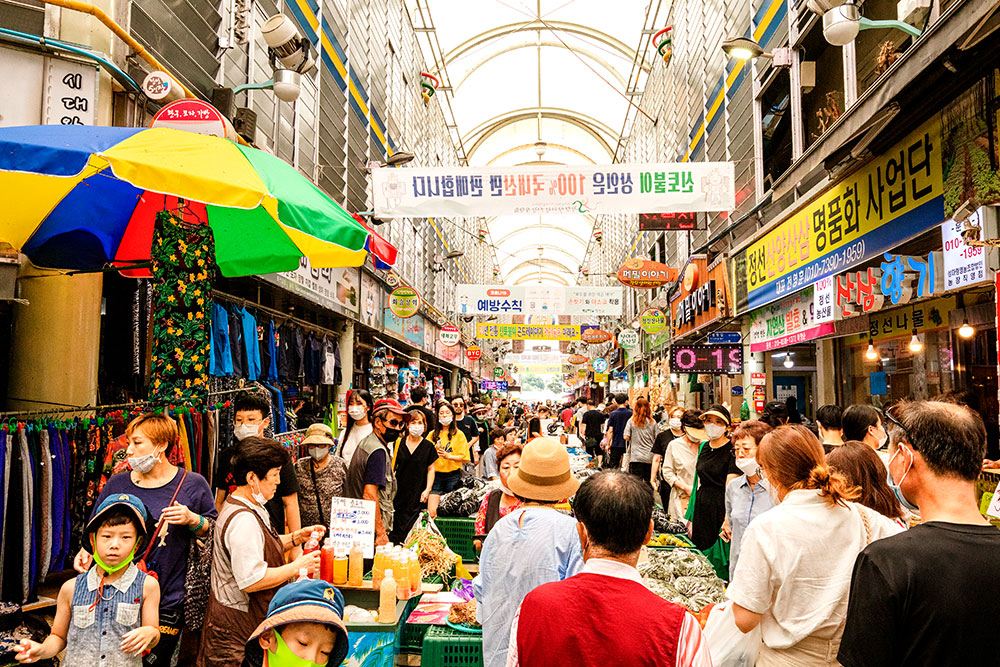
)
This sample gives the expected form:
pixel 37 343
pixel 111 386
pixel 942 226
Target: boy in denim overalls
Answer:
pixel 109 615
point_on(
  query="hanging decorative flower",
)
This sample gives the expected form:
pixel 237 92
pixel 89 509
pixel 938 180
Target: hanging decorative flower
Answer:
pixel 180 329
pixel 482 235
pixel 662 39
pixel 428 86
pixel 598 236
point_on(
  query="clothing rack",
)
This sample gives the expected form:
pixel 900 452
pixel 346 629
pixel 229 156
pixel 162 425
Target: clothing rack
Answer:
pixel 408 356
pixel 276 314
pixel 44 412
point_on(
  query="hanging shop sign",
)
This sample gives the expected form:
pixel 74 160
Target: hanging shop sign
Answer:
pixel 900 322
pixel 824 292
pixel 338 289
pixel 896 196
pixel 450 335
pixel 600 378
pixel 493 385
pixel 577 359
pixel 709 359
pixel 192 115
pixel 653 320
pixel 600 365
pixel 404 302
pixel 703 296
pixel 581 373
pixel 671 222
pixel 725 338
pixel 371 301
pixel 595 336
pixel 391 279
pixel 545 190
pixel 527 332
pixel 533 357
pixel 473 352
pixel 645 274
pixel 69 93
pixel 786 322
pixel 896 280
pixel 498 372
pixel 628 338
pixel 963 264
pixel 538 300
pixel 413 331
pixel 447 352
pixel 540 369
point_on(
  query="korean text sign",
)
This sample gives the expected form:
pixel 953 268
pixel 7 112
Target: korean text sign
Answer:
pixel 352 519
pixel 787 322
pixel 527 332
pixel 540 300
pixel 554 189
pixel 850 222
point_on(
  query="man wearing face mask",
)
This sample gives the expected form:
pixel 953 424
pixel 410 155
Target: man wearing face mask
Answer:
pixel 320 475
pixel 252 419
pixel 920 597
pixel 370 474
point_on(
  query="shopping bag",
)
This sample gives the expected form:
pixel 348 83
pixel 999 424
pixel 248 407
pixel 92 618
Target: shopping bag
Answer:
pixel 729 646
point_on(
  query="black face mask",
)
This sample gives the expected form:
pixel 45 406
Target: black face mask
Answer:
pixel 392 434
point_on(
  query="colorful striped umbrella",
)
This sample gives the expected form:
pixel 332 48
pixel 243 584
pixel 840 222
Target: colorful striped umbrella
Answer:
pixel 80 197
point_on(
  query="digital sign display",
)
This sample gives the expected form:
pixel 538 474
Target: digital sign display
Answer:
pixel 671 222
pixel 713 359
pixel 493 385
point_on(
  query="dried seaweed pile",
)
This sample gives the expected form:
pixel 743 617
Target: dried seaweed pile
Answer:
pixel 684 577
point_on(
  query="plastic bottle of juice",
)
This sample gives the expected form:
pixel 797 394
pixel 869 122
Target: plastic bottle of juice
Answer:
pixel 402 577
pixel 387 599
pixel 378 568
pixel 356 565
pixel 340 566
pixel 312 544
pixel 326 556
pixel 303 575
pixel 414 574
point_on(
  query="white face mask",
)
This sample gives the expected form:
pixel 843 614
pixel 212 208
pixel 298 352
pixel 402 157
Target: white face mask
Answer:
pixel 416 430
pixel 143 464
pixel 748 466
pixel 714 431
pixel 244 431
pixel 357 412
pixel 444 420
pixel 319 453
pixel 257 496
pixel 675 423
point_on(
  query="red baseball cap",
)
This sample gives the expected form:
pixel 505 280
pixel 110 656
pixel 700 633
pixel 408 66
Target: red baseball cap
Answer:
pixel 393 406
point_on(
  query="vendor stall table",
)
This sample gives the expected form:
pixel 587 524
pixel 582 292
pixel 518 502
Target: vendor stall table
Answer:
pixel 444 647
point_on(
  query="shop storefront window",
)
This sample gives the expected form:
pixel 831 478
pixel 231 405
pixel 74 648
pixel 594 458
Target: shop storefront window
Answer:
pixel 898 373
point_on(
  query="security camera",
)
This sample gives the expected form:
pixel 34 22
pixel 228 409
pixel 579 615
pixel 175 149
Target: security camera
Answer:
pixel 287 84
pixel 287 45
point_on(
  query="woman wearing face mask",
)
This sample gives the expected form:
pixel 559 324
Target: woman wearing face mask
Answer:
pixel 181 504
pixel 498 503
pixel 796 560
pixel 862 468
pixel 452 450
pixel 413 459
pixel 864 423
pixel 321 476
pixel 248 559
pixel 674 460
pixel 716 467
pixel 748 496
pixel 359 426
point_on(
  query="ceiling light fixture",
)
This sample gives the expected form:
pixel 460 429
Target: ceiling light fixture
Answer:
pixel 788 360
pixel 540 147
pixel 871 354
pixel 915 344
pixel 966 330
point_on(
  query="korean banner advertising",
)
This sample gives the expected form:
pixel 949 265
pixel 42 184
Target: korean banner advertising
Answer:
pixel 337 289
pixel 545 190
pixel 527 332
pixel 537 300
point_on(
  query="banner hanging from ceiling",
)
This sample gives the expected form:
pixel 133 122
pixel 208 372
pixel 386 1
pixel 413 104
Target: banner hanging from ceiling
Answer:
pixel 537 300
pixel 553 189
pixel 527 332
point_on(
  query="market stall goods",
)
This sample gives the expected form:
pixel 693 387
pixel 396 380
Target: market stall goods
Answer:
pixel 682 576
pixel 464 613
pixel 436 559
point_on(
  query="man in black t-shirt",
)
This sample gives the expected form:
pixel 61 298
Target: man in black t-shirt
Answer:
pixel 924 597
pixel 468 426
pixel 593 421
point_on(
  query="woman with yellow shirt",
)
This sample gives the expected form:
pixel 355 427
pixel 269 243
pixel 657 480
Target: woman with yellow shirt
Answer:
pixel 453 451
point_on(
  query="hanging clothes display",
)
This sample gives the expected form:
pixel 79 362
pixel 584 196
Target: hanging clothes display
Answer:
pixel 221 360
pixel 269 353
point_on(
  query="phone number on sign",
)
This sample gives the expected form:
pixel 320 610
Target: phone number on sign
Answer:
pixel 843 258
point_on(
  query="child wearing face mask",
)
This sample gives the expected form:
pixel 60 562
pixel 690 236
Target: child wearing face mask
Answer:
pixel 321 475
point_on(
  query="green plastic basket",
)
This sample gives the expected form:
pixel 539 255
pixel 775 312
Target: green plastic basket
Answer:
pixel 459 532
pixel 412 639
pixel 444 647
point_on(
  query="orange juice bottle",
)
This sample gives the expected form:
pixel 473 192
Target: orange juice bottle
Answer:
pixel 387 599
pixel 340 567
pixel 378 568
pixel 414 574
pixel 403 578
pixel 355 565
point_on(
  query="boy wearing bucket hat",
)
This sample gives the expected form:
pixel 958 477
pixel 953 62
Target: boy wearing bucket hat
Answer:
pixel 304 627
pixel 530 546
pixel 110 614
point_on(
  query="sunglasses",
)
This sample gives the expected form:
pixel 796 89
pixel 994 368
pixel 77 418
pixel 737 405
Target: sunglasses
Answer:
pixel 892 418
pixel 393 423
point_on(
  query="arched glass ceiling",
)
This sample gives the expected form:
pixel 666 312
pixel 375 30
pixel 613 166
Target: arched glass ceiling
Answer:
pixel 529 70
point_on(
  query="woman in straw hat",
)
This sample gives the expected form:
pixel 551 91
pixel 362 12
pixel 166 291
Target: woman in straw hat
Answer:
pixel 321 476
pixel 530 546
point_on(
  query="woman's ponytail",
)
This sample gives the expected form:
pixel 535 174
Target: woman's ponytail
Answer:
pixel 794 459
pixel 832 485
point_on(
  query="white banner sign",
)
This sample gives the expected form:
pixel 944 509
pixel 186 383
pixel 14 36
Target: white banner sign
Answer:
pixel 353 519
pixel 337 289
pixel 963 264
pixel 537 300
pixel 554 189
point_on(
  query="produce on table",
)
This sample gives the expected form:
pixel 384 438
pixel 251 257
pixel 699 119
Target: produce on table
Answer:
pixel 464 613
pixel 684 577
pixel 666 540
pixel 664 524
pixel 435 556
